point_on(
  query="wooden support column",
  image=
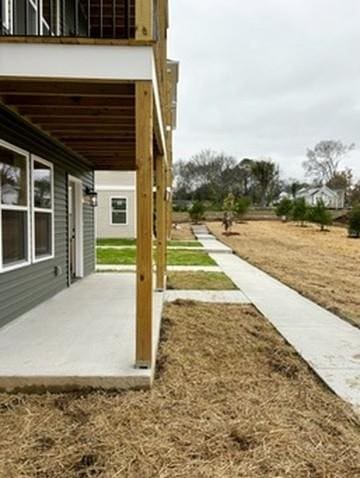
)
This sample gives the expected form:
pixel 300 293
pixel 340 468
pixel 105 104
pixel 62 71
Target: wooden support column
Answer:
pixel 144 19
pixel 161 233
pixel 144 195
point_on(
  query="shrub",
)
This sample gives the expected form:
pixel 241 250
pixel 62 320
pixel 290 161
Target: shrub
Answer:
pixel 229 203
pixel 241 207
pixel 299 211
pixel 284 208
pixel 319 214
pixel 197 211
pixel 354 222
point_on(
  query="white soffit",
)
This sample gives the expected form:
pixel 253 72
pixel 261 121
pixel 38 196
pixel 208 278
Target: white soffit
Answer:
pixel 92 62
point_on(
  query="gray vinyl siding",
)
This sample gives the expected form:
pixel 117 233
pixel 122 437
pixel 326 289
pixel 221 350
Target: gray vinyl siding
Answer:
pixel 24 288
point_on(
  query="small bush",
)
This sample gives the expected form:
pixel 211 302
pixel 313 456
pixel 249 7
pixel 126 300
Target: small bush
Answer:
pixel 197 211
pixel 284 208
pixel 229 203
pixel 320 215
pixel 299 211
pixel 241 207
pixel 354 222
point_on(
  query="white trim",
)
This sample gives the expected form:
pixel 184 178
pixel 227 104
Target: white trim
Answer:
pixel 115 188
pixel 158 108
pixel 42 210
pixel 92 62
pixel 6 14
pixel 79 226
pixel 126 211
pixel 27 208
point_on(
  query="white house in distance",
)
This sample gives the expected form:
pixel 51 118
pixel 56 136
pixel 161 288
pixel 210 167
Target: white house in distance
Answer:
pixel 116 211
pixel 333 199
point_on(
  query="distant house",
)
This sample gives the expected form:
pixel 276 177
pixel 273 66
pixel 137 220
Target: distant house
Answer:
pixel 333 199
pixel 115 215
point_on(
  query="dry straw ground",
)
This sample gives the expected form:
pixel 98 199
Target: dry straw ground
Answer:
pixel 182 233
pixel 231 400
pixel 324 266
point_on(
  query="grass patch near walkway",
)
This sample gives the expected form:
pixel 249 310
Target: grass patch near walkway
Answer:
pixel 132 242
pixel 179 257
pixel 199 281
pixel 115 242
pixel 231 399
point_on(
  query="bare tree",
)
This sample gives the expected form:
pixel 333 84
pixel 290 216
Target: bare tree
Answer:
pixel 324 161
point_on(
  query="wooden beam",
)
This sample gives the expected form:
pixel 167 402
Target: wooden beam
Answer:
pixel 69 101
pixel 75 110
pixel 144 20
pixel 144 204
pixel 161 223
pixel 66 88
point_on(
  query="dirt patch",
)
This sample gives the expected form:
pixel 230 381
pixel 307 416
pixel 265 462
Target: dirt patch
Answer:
pixel 199 281
pixel 183 232
pixel 231 399
pixel 321 266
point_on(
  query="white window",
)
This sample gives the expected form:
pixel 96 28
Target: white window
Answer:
pixel 5 15
pixel 118 211
pixel 43 209
pixel 14 207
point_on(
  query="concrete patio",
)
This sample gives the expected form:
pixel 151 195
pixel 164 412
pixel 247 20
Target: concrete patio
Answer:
pixel 84 337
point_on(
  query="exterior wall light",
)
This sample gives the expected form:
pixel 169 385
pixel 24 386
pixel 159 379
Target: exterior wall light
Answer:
pixel 91 197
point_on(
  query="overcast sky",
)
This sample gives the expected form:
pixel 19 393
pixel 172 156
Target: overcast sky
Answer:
pixel 267 77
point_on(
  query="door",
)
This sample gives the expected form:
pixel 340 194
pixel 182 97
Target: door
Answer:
pixel 75 249
pixel 72 232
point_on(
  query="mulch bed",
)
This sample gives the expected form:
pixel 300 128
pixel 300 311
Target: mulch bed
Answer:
pixel 231 399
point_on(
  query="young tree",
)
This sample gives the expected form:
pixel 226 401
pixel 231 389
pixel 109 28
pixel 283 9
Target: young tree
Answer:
pixel 299 211
pixel 197 211
pixel 241 207
pixel 320 215
pixel 284 208
pixel 229 203
pixel 324 160
pixel 354 223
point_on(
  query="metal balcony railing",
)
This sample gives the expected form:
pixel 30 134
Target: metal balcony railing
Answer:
pixel 113 19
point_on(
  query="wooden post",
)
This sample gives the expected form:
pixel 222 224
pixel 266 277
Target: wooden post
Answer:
pixel 144 20
pixel 144 194
pixel 161 234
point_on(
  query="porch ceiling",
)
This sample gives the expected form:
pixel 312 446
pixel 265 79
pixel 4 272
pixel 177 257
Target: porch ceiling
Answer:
pixel 94 120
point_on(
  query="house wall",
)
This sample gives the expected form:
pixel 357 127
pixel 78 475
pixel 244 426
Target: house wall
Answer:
pixel 115 184
pixel 24 288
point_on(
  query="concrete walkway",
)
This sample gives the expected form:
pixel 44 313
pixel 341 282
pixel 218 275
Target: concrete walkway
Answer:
pixel 209 246
pixel 121 268
pixel 330 345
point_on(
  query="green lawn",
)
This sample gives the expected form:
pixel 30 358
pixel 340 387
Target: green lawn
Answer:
pixel 199 281
pixel 179 257
pixel 132 242
pixel 115 242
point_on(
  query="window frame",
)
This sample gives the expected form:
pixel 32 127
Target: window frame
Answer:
pixel 27 209
pixel 6 23
pixel 126 211
pixel 35 209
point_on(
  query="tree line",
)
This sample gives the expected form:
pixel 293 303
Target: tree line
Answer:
pixel 211 176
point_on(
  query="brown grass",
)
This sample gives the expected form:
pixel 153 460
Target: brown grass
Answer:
pixel 183 233
pixel 199 281
pixel 231 400
pixel 323 266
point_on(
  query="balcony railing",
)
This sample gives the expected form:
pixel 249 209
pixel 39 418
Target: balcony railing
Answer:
pixel 112 19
